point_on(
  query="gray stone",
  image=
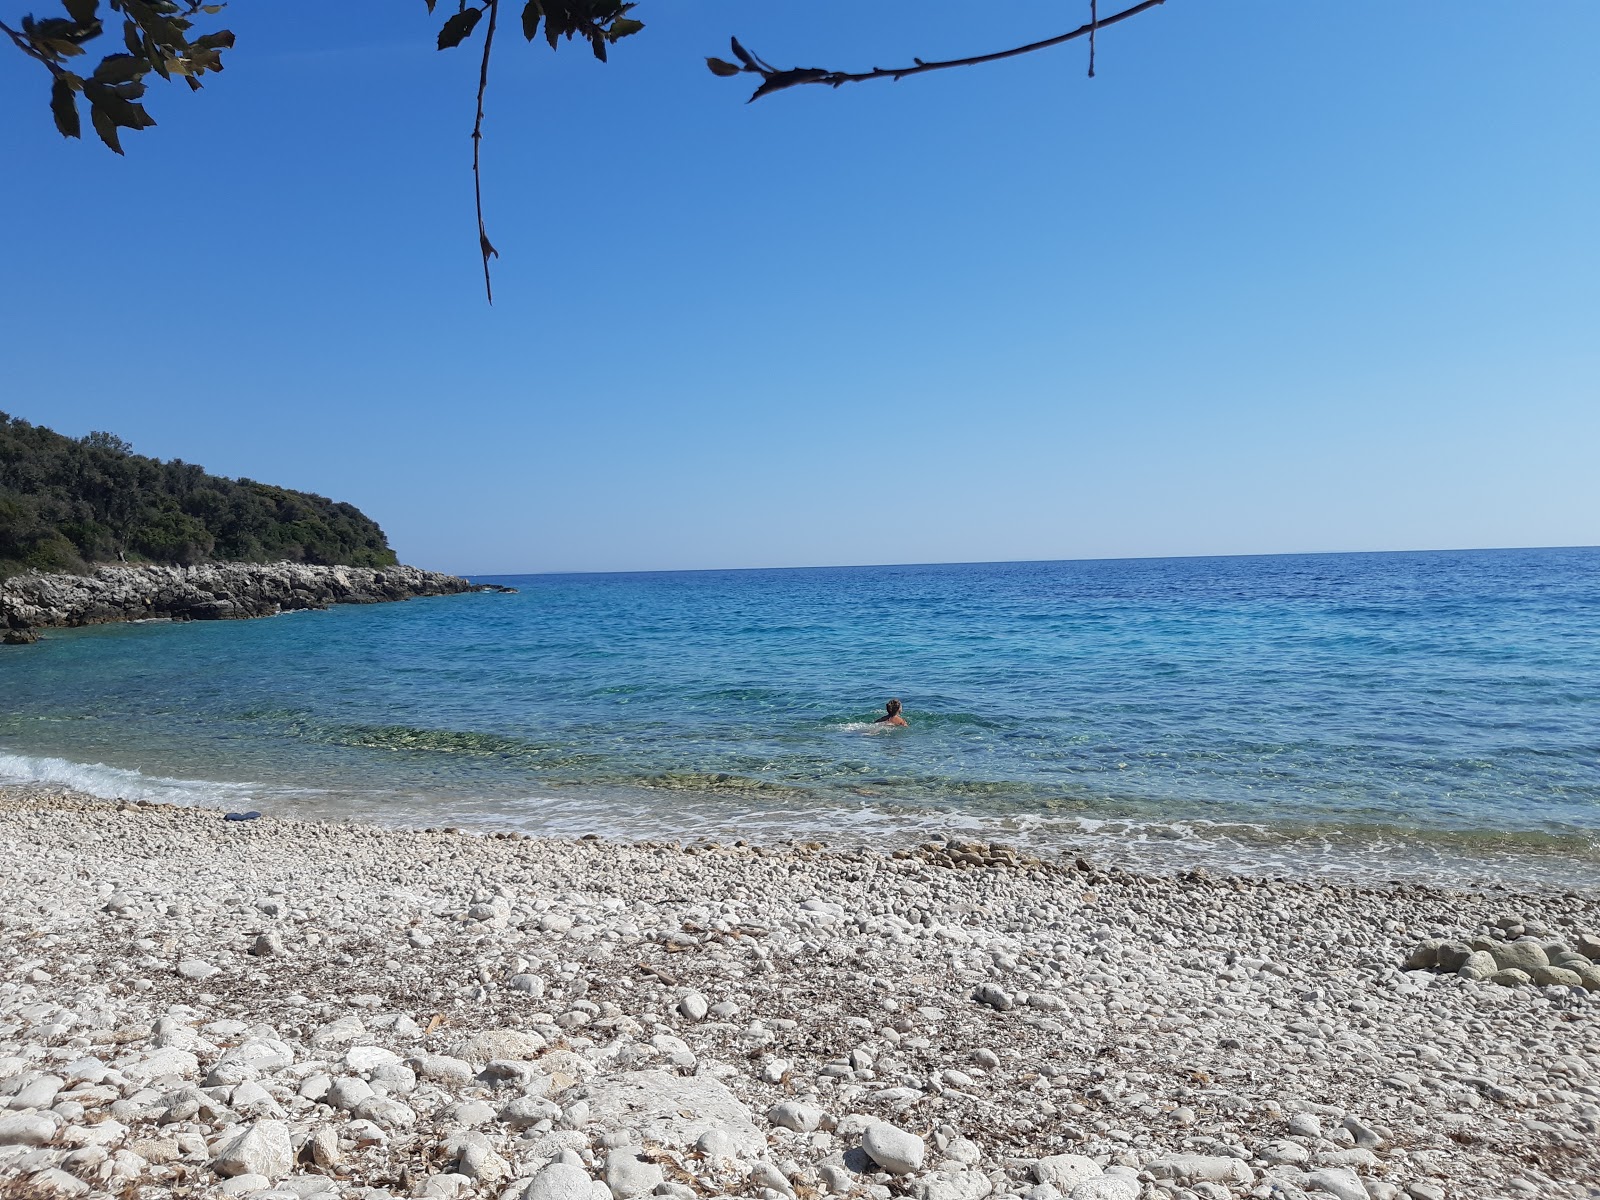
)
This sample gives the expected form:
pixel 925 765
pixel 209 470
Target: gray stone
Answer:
pixel 391 1114
pixel 26 1129
pixel 1480 965
pixel 693 1005
pixel 560 1181
pixel 1511 977
pixel 442 1068
pixel 1336 1181
pixel 628 1175
pixel 673 1111
pixel 953 1185
pixel 262 1149
pixel 893 1149
pixel 1200 1168
pixel 482 1048
pixel 791 1114
pixel 478 1161
pixel 1425 957
pixel 1366 1137
pixel 1065 1171
pixel 1452 955
pixel 1306 1125
pixel 348 1092
pixel 1524 954
pixel 1557 977
pixel 1107 1187
pixel 766 1175
pixel 526 1111
pixel 54 1181
pixel 1285 1153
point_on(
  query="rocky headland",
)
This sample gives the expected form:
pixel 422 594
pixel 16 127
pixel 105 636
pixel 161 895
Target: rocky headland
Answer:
pixel 208 592
pixel 289 1010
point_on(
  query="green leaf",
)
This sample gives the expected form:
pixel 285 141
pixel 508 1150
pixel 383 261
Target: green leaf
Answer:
pixel 598 44
pixel 429 3
pixel 119 68
pixel 81 11
pixel 623 27
pixel 719 67
pixel 530 19
pixel 64 107
pixel 105 127
pixel 459 27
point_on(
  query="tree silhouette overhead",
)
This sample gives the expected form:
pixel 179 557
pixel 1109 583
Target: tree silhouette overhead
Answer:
pixel 159 38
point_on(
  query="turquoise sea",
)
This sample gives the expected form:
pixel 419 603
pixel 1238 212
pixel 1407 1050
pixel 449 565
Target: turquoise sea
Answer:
pixel 1427 715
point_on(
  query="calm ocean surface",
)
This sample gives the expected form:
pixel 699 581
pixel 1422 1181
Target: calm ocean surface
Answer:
pixel 1430 715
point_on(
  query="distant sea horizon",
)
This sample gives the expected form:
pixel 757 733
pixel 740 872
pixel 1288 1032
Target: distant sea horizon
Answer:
pixel 498 576
pixel 1428 715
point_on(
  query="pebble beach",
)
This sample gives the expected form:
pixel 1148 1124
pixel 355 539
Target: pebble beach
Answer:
pixel 284 1009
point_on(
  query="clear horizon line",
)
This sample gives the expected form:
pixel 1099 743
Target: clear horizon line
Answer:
pixel 995 562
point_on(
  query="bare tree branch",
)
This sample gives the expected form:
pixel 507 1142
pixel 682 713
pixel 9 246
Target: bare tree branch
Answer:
pixel 484 246
pixel 775 80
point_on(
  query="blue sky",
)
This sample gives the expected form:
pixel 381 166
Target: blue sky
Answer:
pixel 1284 277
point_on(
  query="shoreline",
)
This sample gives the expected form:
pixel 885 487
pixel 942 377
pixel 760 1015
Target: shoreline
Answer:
pixel 1515 862
pixel 125 593
pixel 352 1007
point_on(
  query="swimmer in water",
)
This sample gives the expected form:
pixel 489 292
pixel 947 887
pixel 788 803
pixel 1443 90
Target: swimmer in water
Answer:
pixel 893 716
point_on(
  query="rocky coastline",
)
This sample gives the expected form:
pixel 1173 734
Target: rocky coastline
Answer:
pixel 207 592
pixel 289 1010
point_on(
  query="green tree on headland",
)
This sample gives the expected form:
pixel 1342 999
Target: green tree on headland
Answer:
pixel 66 503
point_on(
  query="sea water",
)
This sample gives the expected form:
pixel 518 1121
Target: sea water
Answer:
pixel 1426 715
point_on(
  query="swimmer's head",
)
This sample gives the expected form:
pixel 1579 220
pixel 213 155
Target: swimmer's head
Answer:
pixel 894 708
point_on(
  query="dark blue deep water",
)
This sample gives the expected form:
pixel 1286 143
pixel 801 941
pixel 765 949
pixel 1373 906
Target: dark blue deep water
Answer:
pixel 1428 714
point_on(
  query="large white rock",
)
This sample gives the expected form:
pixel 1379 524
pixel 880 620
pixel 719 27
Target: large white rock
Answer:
pixel 1107 1187
pixel 1065 1171
pixel 1337 1181
pixel 26 1129
pixel 893 1149
pixel 628 1175
pixel 1200 1168
pixel 791 1114
pixel 673 1111
pixel 953 1185
pixel 262 1149
pixel 441 1068
pixel 362 1059
pixel 161 1063
pixel 560 1181
pixel 483 1048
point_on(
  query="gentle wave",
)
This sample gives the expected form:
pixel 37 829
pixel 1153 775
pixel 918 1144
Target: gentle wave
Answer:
pixel 116 783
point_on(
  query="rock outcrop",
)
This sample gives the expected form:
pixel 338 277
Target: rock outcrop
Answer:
pixel 214 591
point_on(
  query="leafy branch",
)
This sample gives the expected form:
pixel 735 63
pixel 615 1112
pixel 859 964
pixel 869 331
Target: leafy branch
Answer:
pixel 157 38
pixel 774 79
pixel 598 22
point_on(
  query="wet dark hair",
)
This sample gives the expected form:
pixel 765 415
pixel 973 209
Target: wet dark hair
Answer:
pixel 893 706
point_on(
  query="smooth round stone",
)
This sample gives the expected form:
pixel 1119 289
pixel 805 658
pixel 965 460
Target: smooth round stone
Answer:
pixel 893 1149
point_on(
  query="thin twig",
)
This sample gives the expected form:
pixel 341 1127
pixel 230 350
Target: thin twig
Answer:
pixel 1094 23
pixel 774 80
pixel 27 47
pixel 484 245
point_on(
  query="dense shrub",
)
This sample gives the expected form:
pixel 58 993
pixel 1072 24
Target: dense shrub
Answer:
pixel 67 502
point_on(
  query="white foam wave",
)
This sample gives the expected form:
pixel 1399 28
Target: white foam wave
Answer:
pixel 116 783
